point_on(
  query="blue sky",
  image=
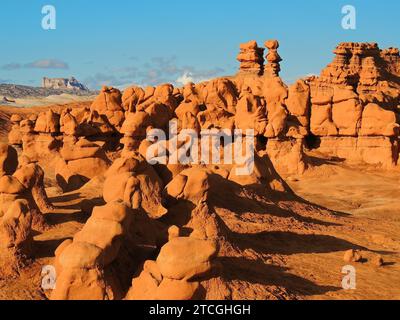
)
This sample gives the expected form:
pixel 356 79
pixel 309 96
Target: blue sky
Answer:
pixel 124 42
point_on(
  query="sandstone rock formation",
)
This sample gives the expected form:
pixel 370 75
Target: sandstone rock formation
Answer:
pixel 160 234
pixel 23 200
pixel 15 237
pixel 15 134
pixel 354 104
pixel 109 104
pixel 272 68
pixel 81 262
pixel 25 182
pixel 98 263
pixel 132 180
pixel 42 141
pixel 173 276
pixel 81 160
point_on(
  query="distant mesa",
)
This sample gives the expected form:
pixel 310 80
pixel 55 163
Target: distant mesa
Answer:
pixel 9 93
pixel 63 83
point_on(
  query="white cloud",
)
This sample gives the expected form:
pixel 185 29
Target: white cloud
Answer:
pixel 188 77
pixel 185 79
pixel 151 72
pixel 47 64
pixel 125 86
pixel 11 66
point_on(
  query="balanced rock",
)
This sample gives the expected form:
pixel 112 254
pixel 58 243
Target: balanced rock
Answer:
pixel 272 68
pixel 251 58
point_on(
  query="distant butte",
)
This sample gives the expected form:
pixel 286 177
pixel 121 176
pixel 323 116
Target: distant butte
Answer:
pixel 63 84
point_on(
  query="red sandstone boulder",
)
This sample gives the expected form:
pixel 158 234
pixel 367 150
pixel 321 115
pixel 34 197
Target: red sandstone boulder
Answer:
pixel 185 258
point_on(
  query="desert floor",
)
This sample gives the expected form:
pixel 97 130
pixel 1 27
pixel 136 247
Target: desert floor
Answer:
pixel 48 101
pixel 370 197
pixel 306 263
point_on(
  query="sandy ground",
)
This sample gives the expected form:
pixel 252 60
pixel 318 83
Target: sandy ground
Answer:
pixel 48 101
pixel 370 197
